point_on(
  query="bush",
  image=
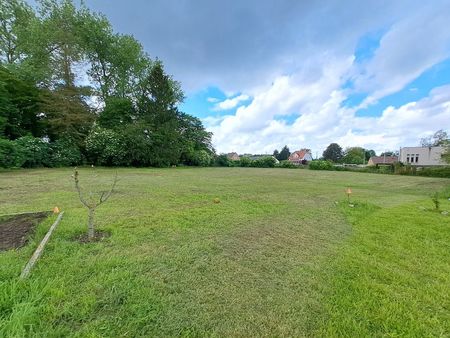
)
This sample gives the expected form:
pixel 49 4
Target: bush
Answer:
pixel 321 165
pixel 245 162
pixel 223 161
pixel 11 154
pixel 201 158
pixel 287 164
pixel 435 172
pixel 264 162
pixel 65 152
pixel 35 151
pixel 106 147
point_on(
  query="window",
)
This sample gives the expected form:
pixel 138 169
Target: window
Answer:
pixel 407 158
pixel 417 158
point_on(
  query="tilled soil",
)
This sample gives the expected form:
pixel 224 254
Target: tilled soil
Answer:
pixel 15 230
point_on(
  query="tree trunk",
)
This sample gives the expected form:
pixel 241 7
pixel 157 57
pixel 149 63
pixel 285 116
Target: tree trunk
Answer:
pixel 91 230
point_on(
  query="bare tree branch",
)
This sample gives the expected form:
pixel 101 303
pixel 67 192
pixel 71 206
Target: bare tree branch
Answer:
pixel 92 204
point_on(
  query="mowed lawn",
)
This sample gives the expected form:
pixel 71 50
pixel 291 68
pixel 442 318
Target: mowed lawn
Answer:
pixel 282 254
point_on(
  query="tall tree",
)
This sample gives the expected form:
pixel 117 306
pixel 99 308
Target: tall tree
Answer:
pixel 67 114
pixel 276 154
pixel 117 113
pixel 284 153
pixel 19 107
pixel 354 155
pixel 439 138
pixel 333 153
pixel 369 154
pixel 14 18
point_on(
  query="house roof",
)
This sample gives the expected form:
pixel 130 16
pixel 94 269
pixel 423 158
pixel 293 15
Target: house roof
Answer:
pixel 383 159
pixel 299 154
pixel 233 156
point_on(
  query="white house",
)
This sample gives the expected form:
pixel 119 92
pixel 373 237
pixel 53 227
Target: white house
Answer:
pixel 422 156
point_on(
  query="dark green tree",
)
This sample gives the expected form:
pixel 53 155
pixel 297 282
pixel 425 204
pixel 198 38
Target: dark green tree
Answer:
pixel 117 113
pixel 333 153
pixel 284 154
pixel 19 107
pixel 276 154
pixel 369 154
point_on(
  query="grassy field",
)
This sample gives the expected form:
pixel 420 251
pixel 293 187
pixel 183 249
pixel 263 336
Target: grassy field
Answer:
pixel 282 254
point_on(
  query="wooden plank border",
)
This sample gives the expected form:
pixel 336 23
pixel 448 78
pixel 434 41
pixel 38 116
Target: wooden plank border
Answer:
pixel 27 269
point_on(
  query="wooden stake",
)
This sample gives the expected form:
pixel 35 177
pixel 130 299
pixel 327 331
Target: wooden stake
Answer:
pixel 26 270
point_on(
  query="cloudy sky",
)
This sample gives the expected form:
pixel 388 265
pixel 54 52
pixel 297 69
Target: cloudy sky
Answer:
pixel 261 74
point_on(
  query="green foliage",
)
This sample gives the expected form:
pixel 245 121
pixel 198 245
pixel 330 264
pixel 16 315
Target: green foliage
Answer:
pixel 106 147
pixel 288 164
pixel 11 154
pixel 15 15
pixel 43 55
pixel 223 161
pixel 435 200
pixel 441 171
pixel 354 155
pixel 138 145
pixel 276 153
pixel 19 104
pixel 31 152
pixel 284 154
pixel 65 152
pixel 333 153
pixel 202 158
pixel 264 162
pixel 434 172
pixel 35 151
pixel 321 165
pixel 245 162
pixel 369 153
pixel 118 112
pixel 67 114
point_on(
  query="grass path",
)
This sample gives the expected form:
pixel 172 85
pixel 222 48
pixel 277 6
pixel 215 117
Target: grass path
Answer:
pixel 276 257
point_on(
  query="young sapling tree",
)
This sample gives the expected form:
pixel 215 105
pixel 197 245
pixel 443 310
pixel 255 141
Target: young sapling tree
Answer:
pixel 92 202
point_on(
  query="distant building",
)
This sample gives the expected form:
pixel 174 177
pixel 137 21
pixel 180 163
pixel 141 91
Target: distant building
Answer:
pixel 382 160
pixel 233 156
pixel 302 156
pixel 422 156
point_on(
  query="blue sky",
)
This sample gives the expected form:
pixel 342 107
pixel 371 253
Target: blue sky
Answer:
pixel 265 73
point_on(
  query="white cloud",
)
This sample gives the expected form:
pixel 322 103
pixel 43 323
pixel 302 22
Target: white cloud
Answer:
pixel 231 102
pixel 212 99
pixel 408 49
pixel 255 131
pixel 315 93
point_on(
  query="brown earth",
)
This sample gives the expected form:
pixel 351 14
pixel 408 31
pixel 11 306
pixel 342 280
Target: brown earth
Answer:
pixel 15 230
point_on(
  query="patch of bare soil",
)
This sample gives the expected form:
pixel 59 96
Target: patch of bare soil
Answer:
pixel 15 230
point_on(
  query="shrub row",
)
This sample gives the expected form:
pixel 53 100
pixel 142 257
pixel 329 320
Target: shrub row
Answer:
pixel 264 162
pixel 31 152
pixel 321 165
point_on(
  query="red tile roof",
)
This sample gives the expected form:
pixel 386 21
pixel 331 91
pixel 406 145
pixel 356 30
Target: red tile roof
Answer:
pixel 300 154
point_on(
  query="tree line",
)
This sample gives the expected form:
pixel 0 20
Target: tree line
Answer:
pixel 73 91
pixel 335 153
